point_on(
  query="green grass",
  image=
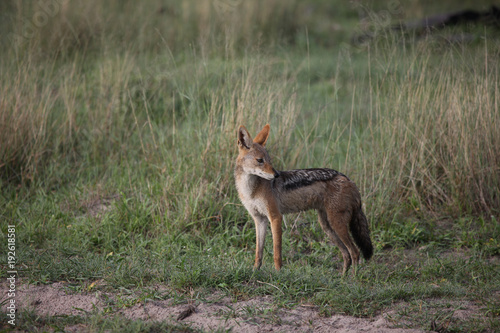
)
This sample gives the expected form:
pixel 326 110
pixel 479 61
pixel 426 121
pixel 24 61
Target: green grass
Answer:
pixel 118 125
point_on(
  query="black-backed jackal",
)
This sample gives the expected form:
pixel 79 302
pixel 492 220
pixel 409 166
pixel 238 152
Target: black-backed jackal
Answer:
pixel 267 194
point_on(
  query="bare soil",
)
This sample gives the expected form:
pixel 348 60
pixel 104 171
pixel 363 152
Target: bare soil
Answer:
pixel 253 315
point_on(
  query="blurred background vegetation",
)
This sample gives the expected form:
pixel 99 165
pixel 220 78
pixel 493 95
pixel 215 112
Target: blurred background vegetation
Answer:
pixel 141 101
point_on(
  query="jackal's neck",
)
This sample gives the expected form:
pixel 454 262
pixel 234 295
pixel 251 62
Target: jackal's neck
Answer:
pixel 247 184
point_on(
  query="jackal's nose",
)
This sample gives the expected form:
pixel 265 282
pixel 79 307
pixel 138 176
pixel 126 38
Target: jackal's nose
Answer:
pixel 276 173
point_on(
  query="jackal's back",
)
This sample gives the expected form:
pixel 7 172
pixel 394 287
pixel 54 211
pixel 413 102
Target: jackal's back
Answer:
pixel 295 179
pixel 304 189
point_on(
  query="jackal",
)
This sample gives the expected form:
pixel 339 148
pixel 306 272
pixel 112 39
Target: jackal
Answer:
pixel 267 194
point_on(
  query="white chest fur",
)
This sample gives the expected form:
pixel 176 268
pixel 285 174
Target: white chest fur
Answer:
pixel 246 185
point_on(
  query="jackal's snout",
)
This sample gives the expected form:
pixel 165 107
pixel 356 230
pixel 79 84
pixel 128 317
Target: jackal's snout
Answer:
pixel 276 173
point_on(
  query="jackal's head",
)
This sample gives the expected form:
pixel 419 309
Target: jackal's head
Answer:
pixel 253 157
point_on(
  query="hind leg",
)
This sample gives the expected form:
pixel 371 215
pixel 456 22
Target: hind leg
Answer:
pixel 327 228
pixel 339 222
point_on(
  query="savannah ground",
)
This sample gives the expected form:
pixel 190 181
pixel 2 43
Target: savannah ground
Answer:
pixel 118 128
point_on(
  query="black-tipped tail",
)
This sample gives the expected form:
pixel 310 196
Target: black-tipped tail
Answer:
pixel 361 233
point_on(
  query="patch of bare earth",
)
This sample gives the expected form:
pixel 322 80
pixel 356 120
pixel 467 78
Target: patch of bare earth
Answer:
pixel 99 205
pixel 254 315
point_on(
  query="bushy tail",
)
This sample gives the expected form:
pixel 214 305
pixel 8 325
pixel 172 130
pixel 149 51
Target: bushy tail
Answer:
pixel 361 233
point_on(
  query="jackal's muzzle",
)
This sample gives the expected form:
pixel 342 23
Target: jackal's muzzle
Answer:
pixel 276 173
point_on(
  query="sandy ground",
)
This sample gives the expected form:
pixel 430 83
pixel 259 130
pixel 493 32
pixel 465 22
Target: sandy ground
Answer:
pixel 254 315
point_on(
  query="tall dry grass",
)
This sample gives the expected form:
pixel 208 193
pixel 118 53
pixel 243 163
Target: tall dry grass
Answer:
pixel 55 100
pixel 422 137
pixel 437 134
pixel 223 26
pixel 25 122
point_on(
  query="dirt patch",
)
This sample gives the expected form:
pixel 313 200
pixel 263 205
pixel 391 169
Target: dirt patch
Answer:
pixel 98 205
pixel 258 315
pixel 52 300
pixel 254 315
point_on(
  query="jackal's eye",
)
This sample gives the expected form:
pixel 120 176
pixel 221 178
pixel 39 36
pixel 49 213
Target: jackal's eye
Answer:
pixel 260 160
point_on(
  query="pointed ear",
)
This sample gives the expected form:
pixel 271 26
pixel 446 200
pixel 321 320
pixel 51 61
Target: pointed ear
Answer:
pixel 261 138
pixel 244 138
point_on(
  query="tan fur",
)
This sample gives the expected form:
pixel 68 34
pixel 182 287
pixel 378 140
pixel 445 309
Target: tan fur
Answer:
pixel 267 195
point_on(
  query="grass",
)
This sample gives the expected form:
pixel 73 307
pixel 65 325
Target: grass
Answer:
pixel 118 144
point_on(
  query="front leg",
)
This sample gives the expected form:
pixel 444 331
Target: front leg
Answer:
pixel 260 231
pixel 276 219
